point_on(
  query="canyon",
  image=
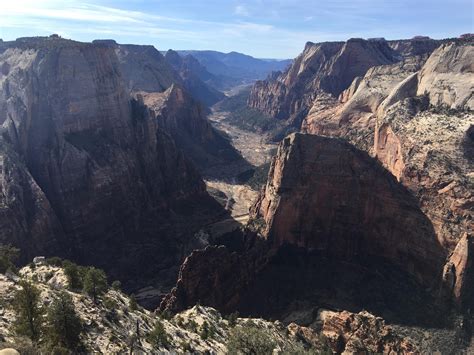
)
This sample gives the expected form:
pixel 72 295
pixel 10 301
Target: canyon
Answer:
pixel 335 196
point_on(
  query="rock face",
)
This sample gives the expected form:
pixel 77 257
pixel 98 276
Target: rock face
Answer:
pixel 194 77
pixel 415 116
pixel 185 120
pixel 86 170
pixel 459 273
pixel 437 75
pixel 323 194
pixel 144 68
pixel 335 229
pixel 178 99
pixel 328 67
pixel 350 333
pixel 415 46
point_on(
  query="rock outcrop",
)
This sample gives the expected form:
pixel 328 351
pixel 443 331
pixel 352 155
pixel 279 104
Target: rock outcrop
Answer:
pixel 86 170
pixel 355 333
pixel 144 68
pixel 185 120
pixel 323 194
pixel 415 46
pixel 415 116
pixel 334 228
pixel 322 67
pixel 110 323
pixel 194 77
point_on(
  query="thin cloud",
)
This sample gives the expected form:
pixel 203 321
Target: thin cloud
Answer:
pixel 241 10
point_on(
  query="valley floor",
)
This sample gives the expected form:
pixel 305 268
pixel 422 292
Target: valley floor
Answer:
pixel 255 150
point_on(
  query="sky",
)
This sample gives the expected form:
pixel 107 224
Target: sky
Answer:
pixel 261 28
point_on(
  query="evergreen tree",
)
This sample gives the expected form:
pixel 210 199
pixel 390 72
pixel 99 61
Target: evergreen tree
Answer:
pixel 95 282
pixel 64 325
pixel 158 336
pixel 8 255
pixel 29 315
pixel 117 285
pixel 74 274
pixel 132 304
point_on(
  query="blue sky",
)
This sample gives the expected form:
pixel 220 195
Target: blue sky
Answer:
pixel 262 28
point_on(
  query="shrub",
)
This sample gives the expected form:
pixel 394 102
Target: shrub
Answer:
pixel 29 315
pixel 109 303
pixel 132 303
pixel 192 326
pixel 63 324
pixel 8 255
pixel 74 274
pixel 232 318
pixel 117 285
pixel 186 347
pixel 158 337
pixel 54 261
pixel 95 282
pixel 207 331
pixel 249 340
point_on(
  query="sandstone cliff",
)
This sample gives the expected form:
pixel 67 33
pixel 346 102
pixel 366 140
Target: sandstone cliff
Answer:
pixel 178 98
pixel 323 194
pixel 415 116
pixel 334 228
pixel 415 46
pixel 328 67
pixel 194 77
pixel 144 68
pixel 185 120
pixel 86 170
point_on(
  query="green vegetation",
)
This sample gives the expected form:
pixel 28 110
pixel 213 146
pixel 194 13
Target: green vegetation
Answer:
pixel 132 304
pixel 158 337
pixel 259 177
pixel 29 315
pixel 8 255
pixel 54 261
pixel 95 282
pixel 186 347
pixel 109 303
pixel 75 274
pixel 249 340
pixel 63 324
pixel 207 331
pixel 116 285
pixel 232 318
pixel 244 117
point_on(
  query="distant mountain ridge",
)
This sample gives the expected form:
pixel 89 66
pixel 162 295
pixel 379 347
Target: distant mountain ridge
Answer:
pixel 235 68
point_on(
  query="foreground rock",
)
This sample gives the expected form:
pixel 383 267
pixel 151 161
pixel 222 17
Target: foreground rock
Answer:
pixel 110 325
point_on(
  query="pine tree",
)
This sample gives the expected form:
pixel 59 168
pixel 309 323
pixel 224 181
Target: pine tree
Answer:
pixel 29 319
pixel 158 336
pixel 8 254
pixel 63 324
pixel 132 303
pixel 95 282
pixel 74 274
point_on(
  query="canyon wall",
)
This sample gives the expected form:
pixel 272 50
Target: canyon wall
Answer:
pixel 87 171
